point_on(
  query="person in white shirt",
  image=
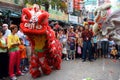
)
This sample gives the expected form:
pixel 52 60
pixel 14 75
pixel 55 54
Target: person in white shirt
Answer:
pixel 21 35
pixel 7 31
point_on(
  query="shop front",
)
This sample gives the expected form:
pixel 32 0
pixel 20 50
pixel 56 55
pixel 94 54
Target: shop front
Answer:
pixel 10 13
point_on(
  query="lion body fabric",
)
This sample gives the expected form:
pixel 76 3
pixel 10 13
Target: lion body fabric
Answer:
pixel 46 49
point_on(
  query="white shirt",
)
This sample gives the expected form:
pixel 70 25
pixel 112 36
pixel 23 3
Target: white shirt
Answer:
pixel 7 32
pixel 21 35
pixel 104 39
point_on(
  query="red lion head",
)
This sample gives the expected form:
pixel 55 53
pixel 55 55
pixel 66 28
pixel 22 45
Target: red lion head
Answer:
pixel 34 20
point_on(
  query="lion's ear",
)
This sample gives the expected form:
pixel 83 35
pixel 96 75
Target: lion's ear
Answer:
pixel 43 17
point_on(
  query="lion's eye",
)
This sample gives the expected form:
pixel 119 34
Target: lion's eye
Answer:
pixel 26 17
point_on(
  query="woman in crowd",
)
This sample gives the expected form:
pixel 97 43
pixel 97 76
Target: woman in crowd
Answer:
pixel 80 42
pixel 14 53
pixel 77 36
pixel 4 58
pixel 60 34
pixel 64 42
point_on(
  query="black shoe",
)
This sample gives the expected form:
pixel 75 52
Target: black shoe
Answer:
pixel 91 60
pixel 83 60
pixel 95 58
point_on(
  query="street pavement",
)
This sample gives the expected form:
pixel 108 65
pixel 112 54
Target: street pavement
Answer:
pixel 100 69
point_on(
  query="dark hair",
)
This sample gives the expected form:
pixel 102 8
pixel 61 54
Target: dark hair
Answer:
pixel 65 31
pixel 2 31
pixel 85 19
pixel 20 39
pixel 13 26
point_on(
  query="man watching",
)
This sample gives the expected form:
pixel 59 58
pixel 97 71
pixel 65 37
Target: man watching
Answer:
pixel 7 31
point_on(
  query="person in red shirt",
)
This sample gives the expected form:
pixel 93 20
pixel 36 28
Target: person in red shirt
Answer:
pixel 87 45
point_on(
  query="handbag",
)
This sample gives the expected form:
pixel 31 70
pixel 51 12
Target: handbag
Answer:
pixel 79 50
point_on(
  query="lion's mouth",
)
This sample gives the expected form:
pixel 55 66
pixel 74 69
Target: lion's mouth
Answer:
pixel 33 26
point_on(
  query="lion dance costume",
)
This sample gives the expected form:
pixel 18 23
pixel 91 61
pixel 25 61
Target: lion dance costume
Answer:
pixel 46 49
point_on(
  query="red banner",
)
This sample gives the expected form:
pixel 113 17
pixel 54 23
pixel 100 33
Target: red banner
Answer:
pixel 77 4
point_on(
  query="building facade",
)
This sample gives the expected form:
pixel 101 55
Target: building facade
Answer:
pixel 10 10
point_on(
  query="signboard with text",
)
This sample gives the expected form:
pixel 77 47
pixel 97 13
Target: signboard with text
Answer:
pixel 70 6
pixel 73 19
pixel 58 15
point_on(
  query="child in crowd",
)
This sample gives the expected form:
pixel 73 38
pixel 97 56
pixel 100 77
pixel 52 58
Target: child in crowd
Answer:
pixel 114 53
pixel 23 56
pixel 64 51
pixel 72 49
pixel 111 45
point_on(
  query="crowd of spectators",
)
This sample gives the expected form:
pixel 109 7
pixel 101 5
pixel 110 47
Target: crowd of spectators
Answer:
pixel 81 42
pixel 14 52
pixel 77 42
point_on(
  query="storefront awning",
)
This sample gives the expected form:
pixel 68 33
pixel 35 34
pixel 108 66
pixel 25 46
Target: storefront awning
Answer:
pixel 11 10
